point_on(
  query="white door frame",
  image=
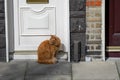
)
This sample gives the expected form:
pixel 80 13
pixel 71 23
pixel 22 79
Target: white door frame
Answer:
pixel 66 22
pixel 103 30
pixel 6 30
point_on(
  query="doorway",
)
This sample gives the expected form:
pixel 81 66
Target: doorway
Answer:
pixel 34 22
pixel 112 28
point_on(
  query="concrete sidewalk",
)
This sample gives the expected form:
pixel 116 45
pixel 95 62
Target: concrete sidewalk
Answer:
pixel 31 70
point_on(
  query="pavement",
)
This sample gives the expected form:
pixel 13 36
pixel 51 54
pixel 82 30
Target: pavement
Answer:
pixel 31 70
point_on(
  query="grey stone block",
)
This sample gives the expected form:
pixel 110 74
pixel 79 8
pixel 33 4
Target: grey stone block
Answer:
pixel 77 5
pixel 77 14
pixel 2 29
pixel 2 41
pixel 14 70
pixel 2 59
pixel 95 71
pixel 1 0
pixel 2 16
pixel 2 33
pixel 49 77
pixel 77 25
pixel 2 52
pixel 78 37
pixel 35 68
pixel 2 22
pixel 1 7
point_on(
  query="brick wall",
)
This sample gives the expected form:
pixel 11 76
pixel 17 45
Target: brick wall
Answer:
pixel 93 31
pixel 2 32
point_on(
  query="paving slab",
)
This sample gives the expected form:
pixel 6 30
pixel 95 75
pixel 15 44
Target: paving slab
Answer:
pixel 58 71
pixel 35 68
pixel 49 77
pixel 14 70
pixel 118 66
pixel 94 71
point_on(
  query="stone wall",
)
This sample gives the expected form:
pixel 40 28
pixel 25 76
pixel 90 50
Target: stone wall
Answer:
pixel 2 32
pixel 94 22
pixel 77 28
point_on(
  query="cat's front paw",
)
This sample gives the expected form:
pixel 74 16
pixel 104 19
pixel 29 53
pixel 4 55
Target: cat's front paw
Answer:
pixel 54 60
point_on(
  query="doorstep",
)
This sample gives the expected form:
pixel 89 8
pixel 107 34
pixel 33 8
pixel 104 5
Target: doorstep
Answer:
pixel 31 70
pixel 95 71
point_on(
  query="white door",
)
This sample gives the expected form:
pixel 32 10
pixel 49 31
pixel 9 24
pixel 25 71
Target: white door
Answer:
pixel 34 23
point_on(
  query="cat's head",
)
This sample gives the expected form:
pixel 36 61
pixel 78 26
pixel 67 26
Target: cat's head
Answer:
pixel 54 40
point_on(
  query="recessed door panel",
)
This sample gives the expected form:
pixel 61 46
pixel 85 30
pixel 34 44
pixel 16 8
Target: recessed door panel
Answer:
pixel 37 22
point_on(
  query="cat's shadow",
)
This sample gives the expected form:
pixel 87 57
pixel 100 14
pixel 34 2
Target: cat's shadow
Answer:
pixel 62 47
pixel 61 52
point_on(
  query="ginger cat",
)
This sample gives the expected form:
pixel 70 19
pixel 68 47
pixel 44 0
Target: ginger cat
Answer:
pixel 48 49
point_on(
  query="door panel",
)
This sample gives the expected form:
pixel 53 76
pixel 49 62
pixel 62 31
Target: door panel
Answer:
pixel 113 28
pixel 37 22
pixel 114 24
pixel 34 23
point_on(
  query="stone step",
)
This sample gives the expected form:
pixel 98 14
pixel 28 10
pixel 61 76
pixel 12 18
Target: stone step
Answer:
pixel 95 71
